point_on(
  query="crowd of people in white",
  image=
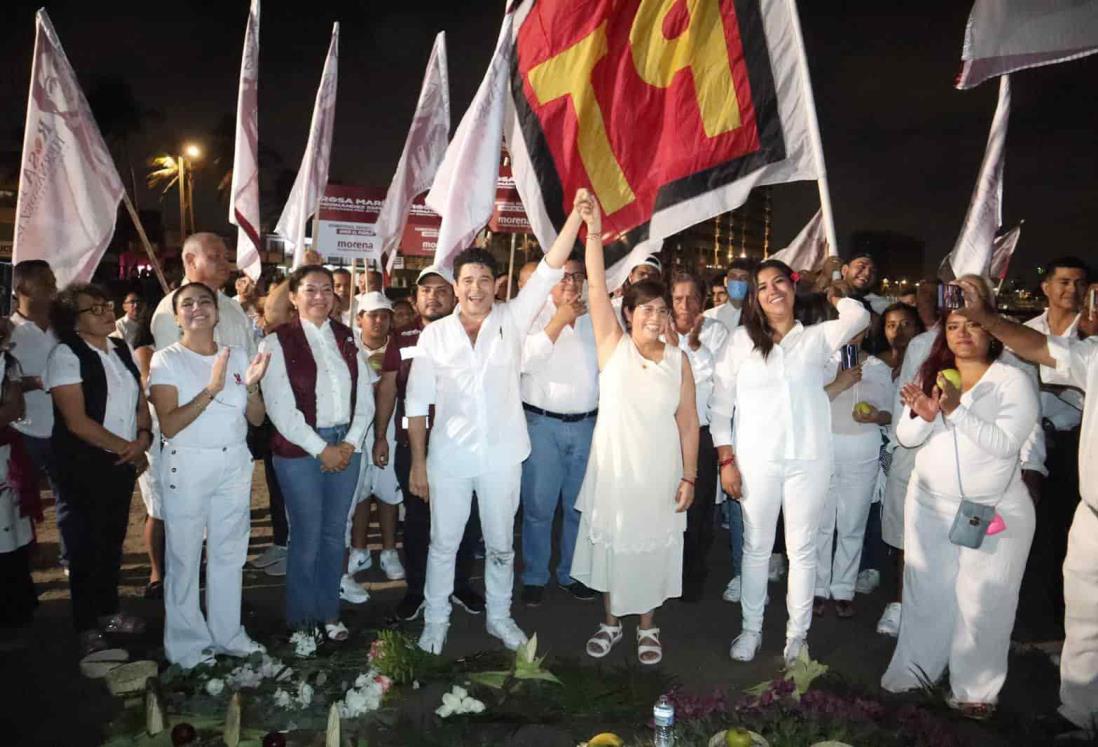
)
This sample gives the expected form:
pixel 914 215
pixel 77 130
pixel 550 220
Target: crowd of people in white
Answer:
pixel 813 424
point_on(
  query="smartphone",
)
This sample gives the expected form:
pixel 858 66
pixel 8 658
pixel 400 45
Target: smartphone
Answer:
pixel 849 356
pixel 951 297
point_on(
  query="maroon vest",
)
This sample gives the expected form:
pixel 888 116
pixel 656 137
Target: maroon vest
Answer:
pixel 301 371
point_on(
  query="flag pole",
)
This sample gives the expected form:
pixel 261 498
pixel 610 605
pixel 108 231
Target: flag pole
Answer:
pixel 145 240
pixel 511 266
pixel 814 133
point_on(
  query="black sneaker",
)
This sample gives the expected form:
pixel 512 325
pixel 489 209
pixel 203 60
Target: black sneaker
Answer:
pixel 468 600
pixel 579 591
pixel 410 607
pixel 532 595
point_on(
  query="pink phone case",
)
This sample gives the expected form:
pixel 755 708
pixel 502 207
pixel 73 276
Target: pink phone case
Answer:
pixel 997 525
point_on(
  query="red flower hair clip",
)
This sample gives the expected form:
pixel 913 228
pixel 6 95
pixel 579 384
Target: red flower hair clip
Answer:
pixel 795 277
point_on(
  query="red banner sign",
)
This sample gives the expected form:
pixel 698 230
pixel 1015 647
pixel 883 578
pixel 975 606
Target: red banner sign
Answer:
pixel 509 215
pixel 421 231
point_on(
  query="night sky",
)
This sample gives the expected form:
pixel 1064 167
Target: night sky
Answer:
pixel 902 145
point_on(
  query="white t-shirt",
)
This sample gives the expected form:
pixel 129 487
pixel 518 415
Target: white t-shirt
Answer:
pixel 223 422
pixel 120 415
pixel 31 346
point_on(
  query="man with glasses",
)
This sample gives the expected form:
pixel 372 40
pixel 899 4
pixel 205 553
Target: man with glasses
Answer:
pixel 128 325
pixel 560 393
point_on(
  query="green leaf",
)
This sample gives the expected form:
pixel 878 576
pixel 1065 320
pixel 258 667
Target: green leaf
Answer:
pixel 804 671
pixel 494 680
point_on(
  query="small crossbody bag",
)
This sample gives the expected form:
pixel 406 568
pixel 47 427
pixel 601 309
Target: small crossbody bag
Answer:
pixel 971 522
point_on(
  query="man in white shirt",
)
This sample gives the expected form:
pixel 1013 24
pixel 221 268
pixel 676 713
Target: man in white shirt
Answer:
pixel 649 268
pixel 860 271
pixel 205 260
pixel 701 339
pixel 560 393
pixel 129 324
pixel 32 341
pixel 468 366
pixel 1042 607
pixel 1071 362
pixel 735 286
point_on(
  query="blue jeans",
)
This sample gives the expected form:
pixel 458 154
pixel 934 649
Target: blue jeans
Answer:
pixel 733 512
pixel 552 474
pixel 41 454
pixel 317 504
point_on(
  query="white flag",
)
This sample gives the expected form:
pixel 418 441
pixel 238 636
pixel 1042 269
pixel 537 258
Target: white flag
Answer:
pixel 1003 251
pixel 424 148
pixel 69 188
pixel 972 253
pixel 464 190
pixel 312 176
pixel 1007 35
pixel 808 249
pixel 244 193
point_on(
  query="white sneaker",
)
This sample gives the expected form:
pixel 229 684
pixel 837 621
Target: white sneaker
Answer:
pixel 745 646
pixel 505 629
pixel 277 568
pixel 732 591
pixel 793 649
pixel 889 624
pixel 868 580
pixel 433 637
pixel 351 592
pixel 360 560
pixel 270 556
pixel 244 649
pixel 390 564
pixel 777 567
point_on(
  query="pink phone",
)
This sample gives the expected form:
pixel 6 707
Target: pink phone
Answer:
pixel 996 525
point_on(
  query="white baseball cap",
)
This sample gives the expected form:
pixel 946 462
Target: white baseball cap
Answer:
pixel 439 270
pixel 652 261
pixel 373 301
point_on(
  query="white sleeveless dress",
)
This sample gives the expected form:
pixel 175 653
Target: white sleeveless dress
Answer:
pixel 630 537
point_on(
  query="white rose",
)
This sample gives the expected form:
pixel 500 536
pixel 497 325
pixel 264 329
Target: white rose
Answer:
pixel 215 687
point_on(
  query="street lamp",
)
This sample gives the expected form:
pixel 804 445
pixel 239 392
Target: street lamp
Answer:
pixel 186 202
pixel 192 151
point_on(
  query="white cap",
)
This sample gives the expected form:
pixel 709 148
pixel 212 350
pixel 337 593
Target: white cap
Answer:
pixel 439 270
pixel 373 301
pixel 652 261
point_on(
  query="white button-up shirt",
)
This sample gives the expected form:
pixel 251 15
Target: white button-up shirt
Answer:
pixel 713 337
pixel 781 409
pixel 1063 409
pixel 561 376
pixel 120 414
pixel 479 425
pixel 333 391
pixel 726 314
pixel 234 328
pixel 32 347
pixel 1077 365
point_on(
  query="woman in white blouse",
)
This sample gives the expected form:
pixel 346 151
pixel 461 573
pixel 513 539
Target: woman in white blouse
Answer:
pixel 204 399
pixel 319 397
pixel 771 376
pixel 102 431
pixel 959 602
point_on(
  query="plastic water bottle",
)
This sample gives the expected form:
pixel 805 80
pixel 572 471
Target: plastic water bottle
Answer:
pixel 663 714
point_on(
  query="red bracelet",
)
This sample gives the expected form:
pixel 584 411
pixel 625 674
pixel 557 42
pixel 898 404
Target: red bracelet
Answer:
pixel 725 462
pixel 688 481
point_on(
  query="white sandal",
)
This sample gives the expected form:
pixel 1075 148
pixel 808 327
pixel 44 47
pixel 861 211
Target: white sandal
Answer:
pixel 602 642
pixel 642 649
pixel 336 631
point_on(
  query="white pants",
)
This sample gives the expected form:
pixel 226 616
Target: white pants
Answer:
pixel 798 488
pixel 844 515
pixel 895 493
pixel 451 500
pixel 148 482
pixel 959 602
pixel 1079 659
pixel 207 493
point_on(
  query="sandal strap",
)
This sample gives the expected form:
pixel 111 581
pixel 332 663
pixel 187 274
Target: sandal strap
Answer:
pixel 653 633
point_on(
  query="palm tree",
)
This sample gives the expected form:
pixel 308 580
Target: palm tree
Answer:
pixel 169 171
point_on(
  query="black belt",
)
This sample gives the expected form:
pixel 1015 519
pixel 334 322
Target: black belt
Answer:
pixel 560 416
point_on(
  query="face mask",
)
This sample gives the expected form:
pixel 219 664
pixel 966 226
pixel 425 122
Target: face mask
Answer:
pixel 737 290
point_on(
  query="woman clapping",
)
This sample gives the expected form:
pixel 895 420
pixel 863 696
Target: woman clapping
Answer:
pixel 204 399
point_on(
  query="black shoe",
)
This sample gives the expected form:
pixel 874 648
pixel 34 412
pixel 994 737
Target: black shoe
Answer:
pixel 154 590
pixel 468 600
pixel 579 591
pixel 532 595
pixel 410 607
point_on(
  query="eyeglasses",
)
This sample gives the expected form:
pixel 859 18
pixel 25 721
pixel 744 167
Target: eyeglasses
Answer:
pixel 96 309
pixel 133 302
pixel 573 277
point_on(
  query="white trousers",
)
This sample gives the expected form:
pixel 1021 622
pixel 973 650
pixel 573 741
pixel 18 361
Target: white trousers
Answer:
pixel 842 527
pixel 959 602
pixel 207 493
pixel 798 488
pixel 451 501
pixel 148 482
pixel 1079 659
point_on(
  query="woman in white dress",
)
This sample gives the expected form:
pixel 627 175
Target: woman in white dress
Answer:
pixel 643 462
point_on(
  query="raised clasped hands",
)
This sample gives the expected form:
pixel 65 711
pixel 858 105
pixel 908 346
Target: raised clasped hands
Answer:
pixel 587 206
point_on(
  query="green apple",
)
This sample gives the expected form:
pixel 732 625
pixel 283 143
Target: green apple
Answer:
pixel 863 409
pixel 952 375
pixel 738 737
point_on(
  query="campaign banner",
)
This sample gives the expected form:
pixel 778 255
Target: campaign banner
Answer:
pixel 348 222
pixel 509 216
pixel 420 237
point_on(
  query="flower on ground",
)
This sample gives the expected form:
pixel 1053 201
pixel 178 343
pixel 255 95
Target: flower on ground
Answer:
pixel 458 701
pixel 365 695
pixel 215 687
pixel 282 698
pixel 304 643
pixel 304 695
